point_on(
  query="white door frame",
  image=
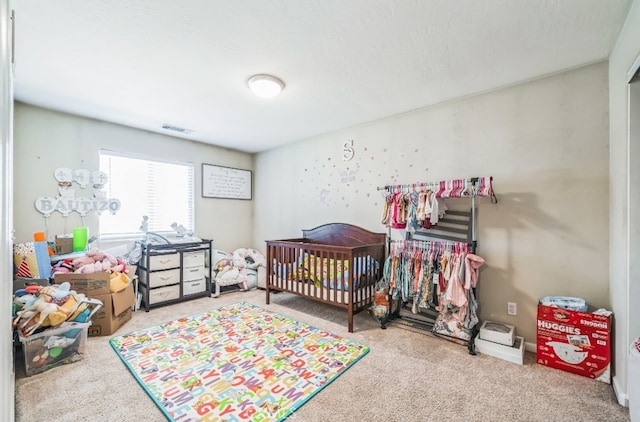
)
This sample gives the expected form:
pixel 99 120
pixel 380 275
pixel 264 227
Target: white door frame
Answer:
pixel 7 387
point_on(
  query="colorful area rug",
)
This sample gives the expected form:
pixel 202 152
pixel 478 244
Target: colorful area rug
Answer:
pixel 237 363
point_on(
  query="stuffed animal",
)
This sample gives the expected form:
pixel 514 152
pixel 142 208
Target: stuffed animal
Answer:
pixel 235 268
pixel 93 261
pixel 248 258
pixel 49 306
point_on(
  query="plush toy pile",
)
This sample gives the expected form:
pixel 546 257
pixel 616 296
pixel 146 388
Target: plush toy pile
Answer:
pixel 37 307
pixel 94 261
pixel 239 268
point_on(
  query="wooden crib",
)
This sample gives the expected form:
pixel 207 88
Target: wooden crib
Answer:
pixel 335 263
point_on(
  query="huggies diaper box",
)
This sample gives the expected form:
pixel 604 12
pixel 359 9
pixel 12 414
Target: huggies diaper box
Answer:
pixel 575 341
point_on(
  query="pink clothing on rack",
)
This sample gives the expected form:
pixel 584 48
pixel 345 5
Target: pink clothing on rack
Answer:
pixel 472 265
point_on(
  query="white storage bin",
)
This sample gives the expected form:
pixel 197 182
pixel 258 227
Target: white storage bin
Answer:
pixel 193 287
pixel 161 262
pixel 513 353
pixel 193 259
pixel 497 332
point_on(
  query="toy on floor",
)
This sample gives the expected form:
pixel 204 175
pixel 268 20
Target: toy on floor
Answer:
pixel 239 268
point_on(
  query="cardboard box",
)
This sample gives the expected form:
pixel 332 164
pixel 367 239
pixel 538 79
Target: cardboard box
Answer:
pixel 22 282
pixel 54 347
pixel 498 332
pixel 116 311
pixel 574 341
pixel 91 284
pixel 514 353
pixel 63 245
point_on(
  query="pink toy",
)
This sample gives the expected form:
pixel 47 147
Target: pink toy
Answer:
pixel 96 261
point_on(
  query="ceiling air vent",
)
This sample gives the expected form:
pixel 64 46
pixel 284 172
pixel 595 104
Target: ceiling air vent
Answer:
pixel 176 129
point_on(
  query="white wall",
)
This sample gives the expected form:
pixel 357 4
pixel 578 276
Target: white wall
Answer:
pixel 546 145
pixel 46 140
pixel 624 223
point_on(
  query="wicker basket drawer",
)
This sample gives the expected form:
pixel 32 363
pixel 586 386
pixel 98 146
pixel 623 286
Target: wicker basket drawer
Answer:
pixel 193 287
pixel 193 273
pixel 164 278
pixel 162 294
pixel 162 262
pixel 193 259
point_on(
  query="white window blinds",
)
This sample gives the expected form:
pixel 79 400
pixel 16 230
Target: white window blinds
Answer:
pixel 161 190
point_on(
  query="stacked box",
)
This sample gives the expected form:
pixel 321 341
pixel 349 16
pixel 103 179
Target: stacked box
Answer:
pixel 22 282
pixel 117 307
pixel 117 310
pixel 64 244
pixel 574 341
pixel 497 332
pixel 513 353
pixel 54 347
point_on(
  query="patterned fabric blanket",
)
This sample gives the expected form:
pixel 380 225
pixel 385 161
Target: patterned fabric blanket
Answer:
pixel 326 271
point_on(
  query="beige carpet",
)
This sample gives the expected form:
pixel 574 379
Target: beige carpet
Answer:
pixel 407 376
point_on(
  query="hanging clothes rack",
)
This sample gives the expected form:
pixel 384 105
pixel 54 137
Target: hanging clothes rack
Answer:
pixel 458 228
pixel 454 188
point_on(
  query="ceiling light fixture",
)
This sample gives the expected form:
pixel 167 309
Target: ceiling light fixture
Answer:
pixel 265 85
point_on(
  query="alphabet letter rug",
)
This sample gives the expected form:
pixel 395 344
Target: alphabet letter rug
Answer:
pixel 236 363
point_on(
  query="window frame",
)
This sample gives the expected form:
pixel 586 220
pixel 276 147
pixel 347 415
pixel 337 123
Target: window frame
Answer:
pixel 189 166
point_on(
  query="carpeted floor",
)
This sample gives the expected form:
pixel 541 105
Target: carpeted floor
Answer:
pixel 407 376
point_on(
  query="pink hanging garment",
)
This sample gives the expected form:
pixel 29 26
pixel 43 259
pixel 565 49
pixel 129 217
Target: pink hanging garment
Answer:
pixel 472 266
pixel 455 293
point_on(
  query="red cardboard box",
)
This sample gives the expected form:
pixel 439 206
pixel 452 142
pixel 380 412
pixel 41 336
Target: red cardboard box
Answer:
pixel 577 342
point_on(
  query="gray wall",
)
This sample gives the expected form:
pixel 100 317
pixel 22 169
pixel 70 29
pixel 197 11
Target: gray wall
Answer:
pixel 545 142
pixel 46 140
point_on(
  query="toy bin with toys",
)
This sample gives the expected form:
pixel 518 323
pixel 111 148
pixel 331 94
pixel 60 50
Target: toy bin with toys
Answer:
pixel 48 348
pixel 54 347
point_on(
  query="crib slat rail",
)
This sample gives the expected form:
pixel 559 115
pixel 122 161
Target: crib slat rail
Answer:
pixel 337 264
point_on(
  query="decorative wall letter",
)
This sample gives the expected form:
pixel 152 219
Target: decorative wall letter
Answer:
pixel 66 201
pixel 347 150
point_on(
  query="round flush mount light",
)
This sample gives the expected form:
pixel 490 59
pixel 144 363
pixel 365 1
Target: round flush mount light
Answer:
pixel 265 85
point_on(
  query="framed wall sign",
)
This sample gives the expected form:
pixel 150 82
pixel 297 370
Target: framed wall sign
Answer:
pixel 225 182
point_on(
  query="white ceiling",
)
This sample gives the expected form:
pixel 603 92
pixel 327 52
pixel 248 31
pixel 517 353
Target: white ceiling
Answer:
pixel 145 63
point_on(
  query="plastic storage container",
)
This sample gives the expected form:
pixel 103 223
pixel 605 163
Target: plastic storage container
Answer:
pixel 59 345
pixel 54 347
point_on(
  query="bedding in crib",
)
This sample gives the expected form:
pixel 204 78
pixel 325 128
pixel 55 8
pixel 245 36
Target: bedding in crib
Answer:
pixel 328 272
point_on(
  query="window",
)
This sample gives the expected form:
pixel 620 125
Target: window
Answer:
pixel 161 190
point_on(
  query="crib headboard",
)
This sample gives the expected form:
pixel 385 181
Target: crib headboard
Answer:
pixel 342 234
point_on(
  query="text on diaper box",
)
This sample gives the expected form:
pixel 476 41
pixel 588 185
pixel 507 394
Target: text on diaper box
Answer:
pixel 558 327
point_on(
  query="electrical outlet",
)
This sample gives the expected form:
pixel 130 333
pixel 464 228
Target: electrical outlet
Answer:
pixel 512 308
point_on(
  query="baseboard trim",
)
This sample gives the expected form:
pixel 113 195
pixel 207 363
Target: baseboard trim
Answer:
pixel 530 347
pixel 623 398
